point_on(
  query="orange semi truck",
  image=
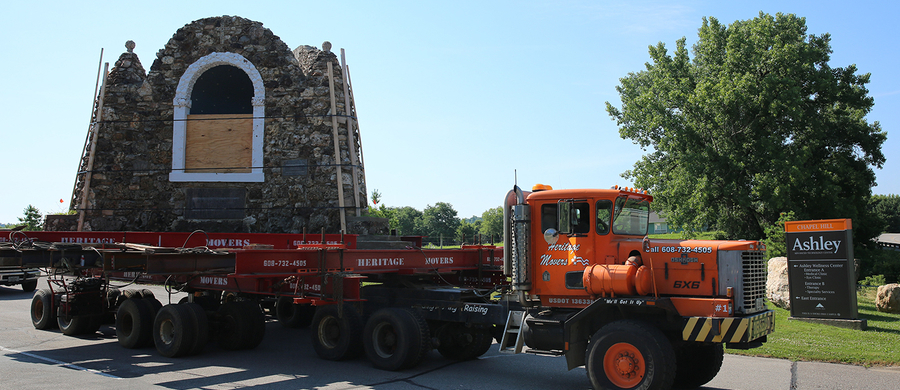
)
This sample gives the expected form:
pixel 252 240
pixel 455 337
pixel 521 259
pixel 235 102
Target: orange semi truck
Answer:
pixel 577 277
pixel 637 313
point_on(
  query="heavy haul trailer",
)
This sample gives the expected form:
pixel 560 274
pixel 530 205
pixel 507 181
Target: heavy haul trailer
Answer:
pixel 580 280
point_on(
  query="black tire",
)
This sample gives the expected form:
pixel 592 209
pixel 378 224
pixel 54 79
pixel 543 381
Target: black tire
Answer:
pixel 201 327
pixel 395 339
pixel 29 285
pixel 337 337
pixel 208 302
pixel 630 355
pixel 291 315
pixel 697 364
pixel 42 314
pixel 174 331
pixel 459 342
pixel 127 294
pixel 155 305
pixel 146 293
pixel 77 325
pixel 241 325
pixel 134 323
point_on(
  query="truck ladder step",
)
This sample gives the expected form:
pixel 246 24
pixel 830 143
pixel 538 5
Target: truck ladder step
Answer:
pixel 513 341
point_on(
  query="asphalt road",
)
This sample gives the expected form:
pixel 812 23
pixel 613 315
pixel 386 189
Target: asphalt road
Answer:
pixel 35 359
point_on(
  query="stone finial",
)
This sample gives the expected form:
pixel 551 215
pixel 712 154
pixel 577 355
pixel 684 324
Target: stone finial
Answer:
pixel 326 46
pixel 130 46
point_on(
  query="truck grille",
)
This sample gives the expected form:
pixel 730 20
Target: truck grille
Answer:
pixel 754 273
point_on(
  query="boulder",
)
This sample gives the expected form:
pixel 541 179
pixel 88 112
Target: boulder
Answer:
pixel 888 298
pixel 777 288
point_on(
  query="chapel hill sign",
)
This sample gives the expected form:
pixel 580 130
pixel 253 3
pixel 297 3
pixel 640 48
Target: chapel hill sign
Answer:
pixel 821 275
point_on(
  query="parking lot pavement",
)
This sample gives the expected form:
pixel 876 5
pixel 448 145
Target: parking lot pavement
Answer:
pixel 35 359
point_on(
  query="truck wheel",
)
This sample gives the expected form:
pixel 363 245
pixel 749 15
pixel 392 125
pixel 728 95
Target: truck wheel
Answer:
pixel 76 325
pixel 292 315
pixel 42 315
pixel 697 364
pixel 201 327
pixel 145 293
pixel 459 342
pixel 395 339
pixel 337 337
pixel 630 355
pixel 134 323
pixel 127 294
pixel 242 325
pixel 29 285
pixel 175 330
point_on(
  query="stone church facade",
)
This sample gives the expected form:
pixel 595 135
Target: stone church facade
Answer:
pixel 229 131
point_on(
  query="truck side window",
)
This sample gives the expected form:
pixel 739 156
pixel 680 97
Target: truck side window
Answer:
pixel 548 217
pixel 581 218
pixel 604 212
pixel 631 216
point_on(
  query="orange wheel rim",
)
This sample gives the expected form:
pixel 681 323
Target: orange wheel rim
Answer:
pixel 624 365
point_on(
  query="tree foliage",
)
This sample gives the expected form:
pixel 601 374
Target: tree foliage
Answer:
pixel 408 221
pixel 887 207
pixel 492 222
pixel 756 124
pixel 33 220
pixel 440 220
pixel 467 231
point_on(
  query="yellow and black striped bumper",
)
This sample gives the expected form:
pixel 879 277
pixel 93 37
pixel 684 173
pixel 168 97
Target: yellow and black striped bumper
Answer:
pixel 728 329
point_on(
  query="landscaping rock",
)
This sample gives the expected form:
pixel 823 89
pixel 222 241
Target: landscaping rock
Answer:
pixel 888 298
pixel 777 289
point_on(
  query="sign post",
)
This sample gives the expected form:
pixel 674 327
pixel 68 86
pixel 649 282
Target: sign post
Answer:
pixel 821 274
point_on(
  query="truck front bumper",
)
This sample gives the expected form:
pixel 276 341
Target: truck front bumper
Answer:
pixel 10 277
pixel 732 330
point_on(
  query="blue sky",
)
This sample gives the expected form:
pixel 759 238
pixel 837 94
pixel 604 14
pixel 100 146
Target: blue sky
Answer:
pixel 453 97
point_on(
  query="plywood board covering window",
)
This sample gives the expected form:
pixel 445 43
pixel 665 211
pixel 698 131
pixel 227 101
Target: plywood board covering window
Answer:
pixel 219 143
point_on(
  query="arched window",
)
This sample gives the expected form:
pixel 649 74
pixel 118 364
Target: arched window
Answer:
pixel 217 134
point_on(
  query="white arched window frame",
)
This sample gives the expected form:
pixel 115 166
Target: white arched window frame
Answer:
pixel 182 107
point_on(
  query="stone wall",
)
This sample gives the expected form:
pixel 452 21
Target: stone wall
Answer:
pixel 131 187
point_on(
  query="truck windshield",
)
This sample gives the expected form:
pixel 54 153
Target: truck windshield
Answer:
pixel 631 216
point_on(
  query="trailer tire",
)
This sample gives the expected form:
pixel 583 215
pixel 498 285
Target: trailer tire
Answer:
pixel 292 315
pixel 175 331
pixel 146 293
pixel 42 314
pixel 697 364
pixel 200 327
pixel 459 342
pixel 127 294
pixel 242 325
pixel 337 337
pixel 29 285
pixel 396 339
pixel 630 355
pixel 134 323
pixel 76 325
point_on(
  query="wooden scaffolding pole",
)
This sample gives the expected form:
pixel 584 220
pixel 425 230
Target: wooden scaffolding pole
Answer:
pixel 337 148
pixel 351 138
pixel 95 129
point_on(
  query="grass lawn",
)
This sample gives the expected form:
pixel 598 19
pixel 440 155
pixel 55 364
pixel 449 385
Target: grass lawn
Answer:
pixel 799 340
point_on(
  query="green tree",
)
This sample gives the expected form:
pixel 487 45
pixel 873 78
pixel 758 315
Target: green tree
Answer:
pixel 492 223
pixel 887 207
pixel 775 236
pixel 408 221
pixel 467 230
pixel 756 123
pixel 32 219
pixel 440 220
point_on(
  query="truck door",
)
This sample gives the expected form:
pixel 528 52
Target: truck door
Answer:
pixel 565 247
